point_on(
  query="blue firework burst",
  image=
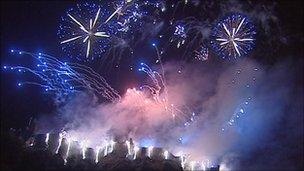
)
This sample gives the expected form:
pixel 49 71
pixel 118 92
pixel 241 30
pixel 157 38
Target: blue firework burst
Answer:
pixel 128 16
pixel 233 37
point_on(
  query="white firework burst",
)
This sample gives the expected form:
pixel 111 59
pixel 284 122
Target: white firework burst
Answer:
pixel 233 36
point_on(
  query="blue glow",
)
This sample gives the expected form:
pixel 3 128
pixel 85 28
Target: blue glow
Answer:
pixel 147 142
pixel 20 53
pixel 184 139
pixel 5 67
pixel 12 51
pixel 19 84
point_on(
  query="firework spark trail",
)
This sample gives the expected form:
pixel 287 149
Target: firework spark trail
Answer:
pixel 128 15
pixel 68 151
pixel 187 32
pixel 159 85
pixel 202 53
pixel 98 148
pixel 64 78
pixel 59 142
pixel 47 138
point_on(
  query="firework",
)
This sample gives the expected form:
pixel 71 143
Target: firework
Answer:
pixel 233 37
pixel 83 32
pixel 127 16
pixel 202 53
pixel 98 148
pixel 179 35
pixel 64 78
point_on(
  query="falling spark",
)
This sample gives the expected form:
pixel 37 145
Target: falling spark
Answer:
pixel 166 154
pixel 203 167
pixel 60 140
pixel 105 150
pixel 47 138
pixel 97 154
pixel 129 148
pixel 112 146
pixel 192 164
pixel 83 147
pixel 150 148
pixel 68 151
pixel 136 149
pixel 64 78
pixel 183 160
pixel 113 14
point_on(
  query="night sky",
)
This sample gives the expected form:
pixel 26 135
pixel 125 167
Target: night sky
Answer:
pixel 33 26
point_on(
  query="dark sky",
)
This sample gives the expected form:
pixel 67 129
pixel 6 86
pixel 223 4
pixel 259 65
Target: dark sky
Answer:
pixel 32 26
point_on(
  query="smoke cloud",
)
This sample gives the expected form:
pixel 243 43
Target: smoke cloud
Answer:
pixel 215 92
